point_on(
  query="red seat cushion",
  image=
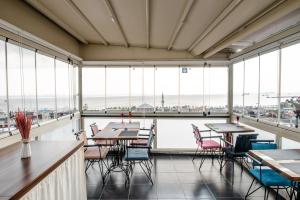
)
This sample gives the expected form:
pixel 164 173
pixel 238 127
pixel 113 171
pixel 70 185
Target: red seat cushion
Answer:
pixel 210 144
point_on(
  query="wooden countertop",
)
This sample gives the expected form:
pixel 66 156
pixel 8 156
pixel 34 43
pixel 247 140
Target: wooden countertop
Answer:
pixel 18 176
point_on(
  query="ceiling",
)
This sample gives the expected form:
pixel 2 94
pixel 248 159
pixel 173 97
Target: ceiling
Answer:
pixel 189 25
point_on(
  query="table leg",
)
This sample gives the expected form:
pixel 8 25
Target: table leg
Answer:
pixel 228 138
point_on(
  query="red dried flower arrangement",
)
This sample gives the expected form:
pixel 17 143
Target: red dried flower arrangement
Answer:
pixel 23 123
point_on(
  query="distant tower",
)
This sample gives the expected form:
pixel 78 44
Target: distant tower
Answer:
pixel 163 102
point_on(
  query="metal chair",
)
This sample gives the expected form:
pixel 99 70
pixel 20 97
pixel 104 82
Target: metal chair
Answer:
pixel 144 142
pixel 238 151
pixel 267 177
pixel 95 130
pixel 93 153
pixel 141 155
pixel 206 144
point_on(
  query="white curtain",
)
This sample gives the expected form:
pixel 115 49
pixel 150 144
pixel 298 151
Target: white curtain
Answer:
pixel 67 182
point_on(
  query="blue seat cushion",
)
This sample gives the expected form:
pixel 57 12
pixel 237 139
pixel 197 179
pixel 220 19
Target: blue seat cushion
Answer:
pixel 270 178
pixel 263 146
pixel 133 154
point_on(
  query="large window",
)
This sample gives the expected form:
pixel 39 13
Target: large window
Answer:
pixel 62 88
pixel 290 90
pixel 14 78
pixel 117 89
pixel 29 83
pixel 3 100
pixel 251 87
pixel 269 86
pixel 238 87
pixel 166 89
pixel 46 87
pixel 216 89
pixel 93 88
pixel 191 89
pixel 148 89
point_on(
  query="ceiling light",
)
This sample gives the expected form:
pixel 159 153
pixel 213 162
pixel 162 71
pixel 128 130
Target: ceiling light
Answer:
pixel 238 50
pixel 113 20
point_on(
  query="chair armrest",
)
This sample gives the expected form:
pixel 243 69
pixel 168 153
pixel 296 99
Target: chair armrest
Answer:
pixel 207 137
pixel 78 132
pixel 145 129
pixel 228 143
pixel 92 145
pixel 208 130
pixel 137 147
pixel 254 159
pixel 143 134
pixel 254 140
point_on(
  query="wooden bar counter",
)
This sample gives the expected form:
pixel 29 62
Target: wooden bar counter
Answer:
pixel 19 177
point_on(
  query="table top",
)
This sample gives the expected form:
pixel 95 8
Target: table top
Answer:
pixel 228 128
pixel 18 176
pixel 119 131
pixel 284 161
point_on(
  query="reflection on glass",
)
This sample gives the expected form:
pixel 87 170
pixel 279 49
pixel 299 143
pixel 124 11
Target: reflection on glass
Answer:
pixel 290 90
pixel 238 87
pixel 45 87
pixel 3 100
pixel 93 88
pixel 62 88
pixel 269 86
pixel 251 87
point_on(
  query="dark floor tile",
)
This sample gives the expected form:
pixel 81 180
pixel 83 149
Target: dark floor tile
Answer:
pixel 116 178
pixel 115 192
pixel 220 189
pixel 166 178
pixel 143 192
pixel 94 191
pixel 141 179
pixel 185 168
pixel 197 191
pixel 190 178
pixel 170 191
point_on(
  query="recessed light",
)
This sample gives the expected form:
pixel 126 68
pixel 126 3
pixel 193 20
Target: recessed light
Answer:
pixel 238 50
pixel 113 20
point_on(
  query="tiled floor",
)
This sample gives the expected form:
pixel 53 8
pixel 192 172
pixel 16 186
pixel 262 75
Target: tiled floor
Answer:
pixel 175 177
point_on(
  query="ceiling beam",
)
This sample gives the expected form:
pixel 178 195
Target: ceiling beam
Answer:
pixel 281 9
pixel 115 20
pixel 215 23
pixel 180 23
pixel 39 5
pixel 148 23
pixel 85 19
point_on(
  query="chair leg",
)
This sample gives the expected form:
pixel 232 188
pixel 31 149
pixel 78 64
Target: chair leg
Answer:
pixel 195 153
pixel 249 188
pixel 148 174
pixel 203 154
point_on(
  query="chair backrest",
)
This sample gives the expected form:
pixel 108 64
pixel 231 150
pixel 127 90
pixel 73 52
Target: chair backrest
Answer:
pixel 197 134
pixel 243 142
pixel 81 136
pixel 263 146
pixel 150 139
pixel 94 128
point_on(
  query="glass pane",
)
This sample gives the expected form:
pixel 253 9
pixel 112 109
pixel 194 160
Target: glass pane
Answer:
pixel 148 100
pixel 45 87
pixel 3 100
pixel 290 90
pixel 29 84
pixel 14 82
pixel 117 89
pixel 93 88
pixel 215 89
pixel 269 86
pixel 251 87
pixel 191 89
pixel 136 89
pixel 238 85
pixel 62 88
pixel 76 88
pixel 166 89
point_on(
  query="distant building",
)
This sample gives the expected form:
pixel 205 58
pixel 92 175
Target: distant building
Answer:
pixel 145 108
